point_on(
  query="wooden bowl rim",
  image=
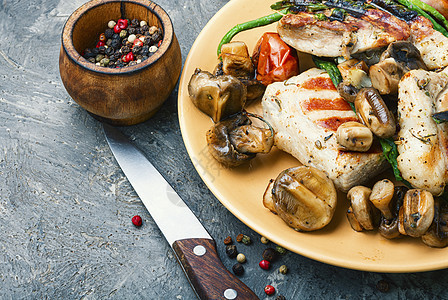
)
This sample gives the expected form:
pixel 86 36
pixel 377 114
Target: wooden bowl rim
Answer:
pixel 76 57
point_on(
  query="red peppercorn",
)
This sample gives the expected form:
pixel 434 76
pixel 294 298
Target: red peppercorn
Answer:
pixel 159 43
pixel 100 43
pixel 137 42
pixel 102 37
pixel 128 57
pixel 117 28
pixel 122 23
pixel 137 220
pixel 269 290
pixel 264 264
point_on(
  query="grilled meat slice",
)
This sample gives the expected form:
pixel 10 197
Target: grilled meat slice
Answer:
pixel 432 44
pixel 305 112
pixel 374 29
pixel 422 144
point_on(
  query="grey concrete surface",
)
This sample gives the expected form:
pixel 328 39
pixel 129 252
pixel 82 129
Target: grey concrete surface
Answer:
pixel 66 207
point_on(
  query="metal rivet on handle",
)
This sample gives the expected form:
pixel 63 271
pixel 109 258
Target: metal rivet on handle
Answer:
pixel 230 294
pixel 199 250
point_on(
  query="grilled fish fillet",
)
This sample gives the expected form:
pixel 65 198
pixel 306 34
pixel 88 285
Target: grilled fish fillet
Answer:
pixel 432 44
pixel 422 144
pixel 376 28
pixel 305 112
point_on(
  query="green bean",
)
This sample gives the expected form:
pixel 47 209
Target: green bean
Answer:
pixel 263 21
pixel 414 7
pixel 390 152
pixel 429 9
pixel 331 69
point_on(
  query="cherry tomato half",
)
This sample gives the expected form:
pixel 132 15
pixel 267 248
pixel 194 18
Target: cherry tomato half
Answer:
pixel 274 59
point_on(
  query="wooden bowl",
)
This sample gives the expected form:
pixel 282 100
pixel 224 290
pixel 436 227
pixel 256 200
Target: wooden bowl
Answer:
pixel 119 96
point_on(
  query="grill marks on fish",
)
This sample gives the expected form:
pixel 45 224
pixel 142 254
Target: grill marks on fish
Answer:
pixel 332 123
pixel 318 83
pixel 374 29
pixel 313 104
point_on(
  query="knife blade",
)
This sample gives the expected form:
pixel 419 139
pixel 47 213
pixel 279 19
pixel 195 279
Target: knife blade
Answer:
pixel 195 249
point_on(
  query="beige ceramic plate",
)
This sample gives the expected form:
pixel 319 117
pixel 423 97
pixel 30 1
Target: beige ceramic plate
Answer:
pixel 240 190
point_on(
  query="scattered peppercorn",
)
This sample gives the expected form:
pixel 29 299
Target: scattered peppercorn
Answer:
pixel 269 254
pixel 241 258
pixel 280 249
pixel 264 240
pixel 137 220
pixel 264 264
pixel 269 290
pixel 246 240
pixel 121 38
pixel 283 269
pixel 280 297
pixel 238 269
pixel 228 240
pixel 382 286
pixel 239 237
pixel 231 251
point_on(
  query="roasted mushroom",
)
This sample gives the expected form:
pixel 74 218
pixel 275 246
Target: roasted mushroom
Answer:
pixel 268 202
pixel 354 136
pixel 374 113
pixel 398 59
pixel 389 227
pixel 354 72
pixel 361 207
pixel 235 140
pixel 255 89
pixel 437 234
pixel 236 60
pixel 417 213
pixel 381 197
pixel 347 91
pixel 304 197
pixel 217 96
pixel 354 223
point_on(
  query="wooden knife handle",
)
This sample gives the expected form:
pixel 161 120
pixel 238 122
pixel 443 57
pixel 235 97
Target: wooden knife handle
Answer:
pixel 206 273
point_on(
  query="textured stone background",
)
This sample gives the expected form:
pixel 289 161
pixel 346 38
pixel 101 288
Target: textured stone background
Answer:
pixel 65 206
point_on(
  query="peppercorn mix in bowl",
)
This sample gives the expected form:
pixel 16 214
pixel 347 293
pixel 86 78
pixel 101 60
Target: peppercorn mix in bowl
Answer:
pixel 121 74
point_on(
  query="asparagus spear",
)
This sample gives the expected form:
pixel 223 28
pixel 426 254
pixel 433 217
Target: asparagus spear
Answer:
pixel 411 5
pixel 263 21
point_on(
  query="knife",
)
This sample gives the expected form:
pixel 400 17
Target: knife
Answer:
pixel 195 249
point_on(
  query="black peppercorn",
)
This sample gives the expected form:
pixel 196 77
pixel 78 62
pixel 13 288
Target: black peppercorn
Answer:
pixel 116 43
pixel 382 286
pixel 238 269
pixel 280 297
pixel 269 254
pixel 137 49
pixel 95 51
pixel 131 30
pixel 116 36
pixel 144 28
pixel 231 251
pixel 145 50
pixel 125 50
pixel 110 51
pixel 135 23
pixel 88 54
pixel 109 33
